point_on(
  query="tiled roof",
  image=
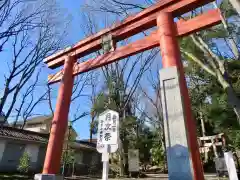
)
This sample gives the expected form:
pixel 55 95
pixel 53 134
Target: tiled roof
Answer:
pixel 94 140
pixel 10 132
pixel 25 135
pixel 87 143
pixel 81 145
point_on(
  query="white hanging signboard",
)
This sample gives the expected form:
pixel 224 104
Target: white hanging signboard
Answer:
pixel 108 131
pixel 107 137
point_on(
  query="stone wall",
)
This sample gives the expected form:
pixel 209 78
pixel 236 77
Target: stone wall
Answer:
pixel 12 150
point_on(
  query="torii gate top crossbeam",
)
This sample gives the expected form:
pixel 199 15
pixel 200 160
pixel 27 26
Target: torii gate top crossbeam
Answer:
pixel 127 28
pixel 183 28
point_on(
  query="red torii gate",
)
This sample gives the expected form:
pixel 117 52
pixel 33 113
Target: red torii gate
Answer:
pixel 161 15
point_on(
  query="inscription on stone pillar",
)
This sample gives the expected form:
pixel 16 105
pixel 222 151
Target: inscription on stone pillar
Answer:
pixel 174 113
pixel 179 166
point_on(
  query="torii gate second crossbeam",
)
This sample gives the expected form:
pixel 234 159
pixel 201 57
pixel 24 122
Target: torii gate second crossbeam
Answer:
pixel 180 131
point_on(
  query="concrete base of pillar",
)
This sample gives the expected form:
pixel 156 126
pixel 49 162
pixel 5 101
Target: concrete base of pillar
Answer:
pixel 47 177
pixel 178 156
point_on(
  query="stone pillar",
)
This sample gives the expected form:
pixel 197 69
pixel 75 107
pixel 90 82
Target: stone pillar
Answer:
pixel 180 131
pixel 178 158
pixel 47 177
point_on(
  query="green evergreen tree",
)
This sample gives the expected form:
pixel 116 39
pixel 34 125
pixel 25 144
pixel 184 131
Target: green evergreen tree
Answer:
pixel 24 163
pixel 215 51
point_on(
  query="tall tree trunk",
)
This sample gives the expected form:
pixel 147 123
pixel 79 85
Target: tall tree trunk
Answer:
pixel 203 134
pixel 90 135
pixel 234 101
pixel 125 150
pixel 3 99
pixel 162 139
pixel 121 146
pixel 202 124
pixel 73 167
pixel 236 5
pixel 121 163
pixel 91 128
pixel 14 99
pixel 230 39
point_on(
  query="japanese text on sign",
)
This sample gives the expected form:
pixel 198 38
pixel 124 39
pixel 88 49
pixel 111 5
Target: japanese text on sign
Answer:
pixel 108 128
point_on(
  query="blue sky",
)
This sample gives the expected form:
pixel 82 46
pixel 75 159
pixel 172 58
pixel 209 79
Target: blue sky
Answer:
pixel 73 9
pixel 74 34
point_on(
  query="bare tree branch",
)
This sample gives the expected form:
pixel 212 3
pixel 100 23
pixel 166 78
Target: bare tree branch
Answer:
pixel 33 39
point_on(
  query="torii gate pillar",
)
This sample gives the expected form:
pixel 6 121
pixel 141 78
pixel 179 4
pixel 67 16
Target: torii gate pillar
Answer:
pixel 180 131
pixel 59 124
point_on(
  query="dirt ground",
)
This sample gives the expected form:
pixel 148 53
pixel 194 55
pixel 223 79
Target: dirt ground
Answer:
pixel 150 177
